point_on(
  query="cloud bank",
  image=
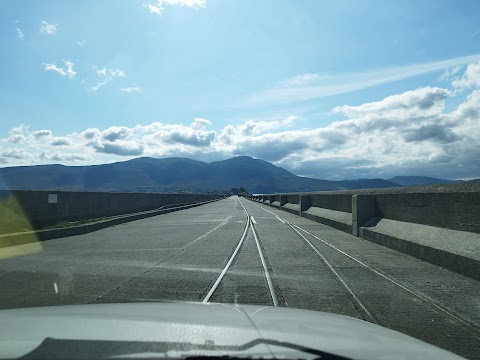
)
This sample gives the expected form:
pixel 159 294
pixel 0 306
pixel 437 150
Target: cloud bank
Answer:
pixel 409 133
pixel 158 7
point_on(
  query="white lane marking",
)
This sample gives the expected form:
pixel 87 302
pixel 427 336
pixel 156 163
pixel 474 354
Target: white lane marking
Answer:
pixel 265 269
pixel 222 274
pixel 253 220
pixel 215 228
pixel 387 277
pixel 55 287
pixel 279 219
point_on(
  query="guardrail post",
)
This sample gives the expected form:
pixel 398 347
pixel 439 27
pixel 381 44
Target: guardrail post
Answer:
pixel 363 209
pixel 305 203
pixel 271 199
pixel 283 200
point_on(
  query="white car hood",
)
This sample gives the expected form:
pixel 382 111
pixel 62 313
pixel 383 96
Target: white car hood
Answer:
pixel 216 328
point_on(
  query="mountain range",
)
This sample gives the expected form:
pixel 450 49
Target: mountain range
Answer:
pixel 182 174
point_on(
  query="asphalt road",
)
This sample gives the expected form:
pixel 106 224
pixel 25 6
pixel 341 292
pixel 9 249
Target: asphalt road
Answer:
pixel 180 257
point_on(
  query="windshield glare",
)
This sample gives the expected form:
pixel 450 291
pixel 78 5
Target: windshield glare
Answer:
pixel 271 178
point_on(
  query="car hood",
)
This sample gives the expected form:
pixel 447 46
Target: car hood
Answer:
pixel 186 329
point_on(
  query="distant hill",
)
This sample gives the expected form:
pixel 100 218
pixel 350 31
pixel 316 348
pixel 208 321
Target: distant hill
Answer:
pixel 173 174
pixel 420 180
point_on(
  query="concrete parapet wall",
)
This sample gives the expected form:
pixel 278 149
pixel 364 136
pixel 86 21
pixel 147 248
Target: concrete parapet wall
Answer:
pixel 439 223
pixel 44 208
pixel 275 204
pixel 337 219
pixel 454 207
pixel 32 237
pixel 293 199
pixel 293 208
pixel 458 211
pixel 451 249
pixel 337 202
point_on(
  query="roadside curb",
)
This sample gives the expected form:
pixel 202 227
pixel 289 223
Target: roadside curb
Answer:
pixel 8 240
pixel 456 262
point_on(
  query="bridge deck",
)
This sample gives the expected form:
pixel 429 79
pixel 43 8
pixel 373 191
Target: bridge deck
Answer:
pixel 180 256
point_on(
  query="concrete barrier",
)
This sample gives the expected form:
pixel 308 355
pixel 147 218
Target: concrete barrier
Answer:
pixel 7 240
pixel 45 208
pixel 439 224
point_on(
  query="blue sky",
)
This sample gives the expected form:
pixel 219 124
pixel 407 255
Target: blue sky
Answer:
pixel 329 89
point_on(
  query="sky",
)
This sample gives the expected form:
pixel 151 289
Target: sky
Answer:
pixel 333 89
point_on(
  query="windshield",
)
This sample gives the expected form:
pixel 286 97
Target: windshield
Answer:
pixel 311 155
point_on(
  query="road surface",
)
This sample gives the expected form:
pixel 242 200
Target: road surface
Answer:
pixel 239 251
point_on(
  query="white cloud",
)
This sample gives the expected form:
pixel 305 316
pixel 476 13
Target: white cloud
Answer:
pixel 121 148
pixel 18 134
pixel 14 154
pixel 104 76
pixel 42 134
pixel 470 78
pixel 20 129
pixel 177 136
pixel 402 134
pixel 60 141
pixel 252 127
pixel 131 89
pixel 81 43
pixel 56 156
pixel 408 105
pixel 450 73
pixel 90 133
pixel 159 6
pixel 312 86
pixel 16 139
pixel 303 79
pixel 49 29
pixel 70 72
pixel 20 34
pixel 63 71
pixel 116 132
pixel 53 67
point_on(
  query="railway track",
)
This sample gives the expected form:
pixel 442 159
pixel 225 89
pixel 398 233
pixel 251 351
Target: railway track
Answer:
pixel 313 241
pixel 249 228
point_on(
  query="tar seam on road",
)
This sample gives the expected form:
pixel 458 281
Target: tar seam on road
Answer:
pixel 173 255
pixel 387 277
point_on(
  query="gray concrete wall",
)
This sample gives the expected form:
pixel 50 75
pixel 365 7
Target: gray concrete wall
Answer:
pixel 293 199
pixel 453 206
pixel 458 211
pixel 337 202
pixel 35 207
pixel 439 223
